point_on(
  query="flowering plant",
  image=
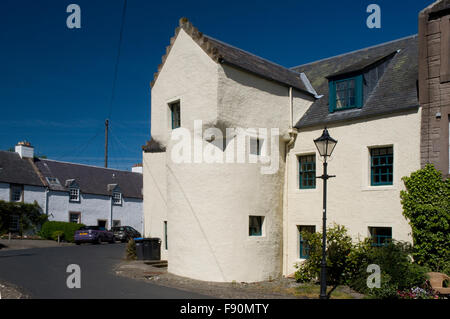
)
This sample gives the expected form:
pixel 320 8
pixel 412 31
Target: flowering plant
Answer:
pixel 424 292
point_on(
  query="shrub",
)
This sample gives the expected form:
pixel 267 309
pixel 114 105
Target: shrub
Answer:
pixel 59 234
pixel 30 216
pixel 131 249
pixel 67 229
pixel 397 270
pixel 426 204
pixel 339 245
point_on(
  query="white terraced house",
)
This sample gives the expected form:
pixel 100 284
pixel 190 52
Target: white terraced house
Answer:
pixel 71 192
pixel 227 221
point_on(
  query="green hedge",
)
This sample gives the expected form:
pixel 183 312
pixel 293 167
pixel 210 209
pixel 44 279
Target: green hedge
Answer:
pixel 51 227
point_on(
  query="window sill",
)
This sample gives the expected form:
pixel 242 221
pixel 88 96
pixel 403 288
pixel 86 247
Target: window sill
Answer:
pixel 379 188
pixel 305 190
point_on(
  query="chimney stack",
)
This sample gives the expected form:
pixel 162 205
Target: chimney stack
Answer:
pixel 25 149
pixel 434 84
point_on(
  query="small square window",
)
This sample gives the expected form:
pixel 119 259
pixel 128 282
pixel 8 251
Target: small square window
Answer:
pixel 117 198
pixel 116 223
pixel 175 114
pixel 381 236
pixel 255 225
pixel 75 218
pixel 255 146
pixel 74 194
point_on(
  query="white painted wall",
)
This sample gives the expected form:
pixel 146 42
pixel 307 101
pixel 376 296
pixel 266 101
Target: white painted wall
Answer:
pixel 208 205
pixel 155 197
pixel 351 201
pixel 94 207
pixel 34 193
pixel 5 192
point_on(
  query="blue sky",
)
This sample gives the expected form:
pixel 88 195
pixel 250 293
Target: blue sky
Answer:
pixel 56 83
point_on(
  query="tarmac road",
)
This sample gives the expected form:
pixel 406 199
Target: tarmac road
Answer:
pixel 41 273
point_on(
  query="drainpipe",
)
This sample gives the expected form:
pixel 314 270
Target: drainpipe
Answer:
pixel 289 142
pixel 46 201
pixel 111 211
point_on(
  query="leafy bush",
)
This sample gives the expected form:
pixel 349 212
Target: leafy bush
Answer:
pixel 398 272
pixel 59 234
pixel 347 264
pixel 30 216
pixel 426 204
pixel 68 230
pixel 339 245
pixel 131 249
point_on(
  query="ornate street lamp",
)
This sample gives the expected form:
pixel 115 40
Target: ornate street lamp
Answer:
pixel 325 145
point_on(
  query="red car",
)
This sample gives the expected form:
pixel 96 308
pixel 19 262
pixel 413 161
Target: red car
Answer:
pixel 93 234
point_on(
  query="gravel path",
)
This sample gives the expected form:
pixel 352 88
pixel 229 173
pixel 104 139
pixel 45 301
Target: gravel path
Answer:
pixel 9 291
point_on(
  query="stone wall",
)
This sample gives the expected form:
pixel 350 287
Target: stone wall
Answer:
pixel 434 84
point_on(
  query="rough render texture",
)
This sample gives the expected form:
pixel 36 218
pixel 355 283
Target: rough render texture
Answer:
pixel 207 206
pixel 367 205
pixel 434 85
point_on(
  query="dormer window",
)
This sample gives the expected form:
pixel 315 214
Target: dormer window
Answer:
pixel 346 93
pixel 117 198
pixel 74 194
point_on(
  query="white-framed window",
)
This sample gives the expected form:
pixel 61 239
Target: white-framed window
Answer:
pixel 75 217
pixel 74 194
pixel 14 223
pixel 16 193
pixel 117 198
pixel 116 223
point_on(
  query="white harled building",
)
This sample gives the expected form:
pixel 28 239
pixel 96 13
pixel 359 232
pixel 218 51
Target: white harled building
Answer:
pixel 222 219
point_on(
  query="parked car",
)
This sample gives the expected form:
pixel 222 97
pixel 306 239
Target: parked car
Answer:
pixel 124 233
pixel 93 234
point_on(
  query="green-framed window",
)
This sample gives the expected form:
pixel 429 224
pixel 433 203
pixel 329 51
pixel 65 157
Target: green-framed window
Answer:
pixel 304 247
pixel 346 93
pixel 381 236
pixel 255 225
pixel 307 171
pixel 175 114
pixel 382 166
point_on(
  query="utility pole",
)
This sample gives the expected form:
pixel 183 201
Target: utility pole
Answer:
pixel 106 142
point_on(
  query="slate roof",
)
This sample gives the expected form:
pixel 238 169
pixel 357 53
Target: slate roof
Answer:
pixel 91 179
pixel 222 52
pixel 396 90
pixel 15 170
pixel 259 66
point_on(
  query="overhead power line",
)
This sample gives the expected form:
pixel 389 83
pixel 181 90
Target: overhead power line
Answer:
pixel 116 68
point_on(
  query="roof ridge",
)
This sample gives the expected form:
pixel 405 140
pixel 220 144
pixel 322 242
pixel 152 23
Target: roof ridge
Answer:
pixel 358 50
pixel 255 55
pixel 93 166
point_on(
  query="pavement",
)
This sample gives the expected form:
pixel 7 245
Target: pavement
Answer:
pixel 15 244
pixel 42 273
